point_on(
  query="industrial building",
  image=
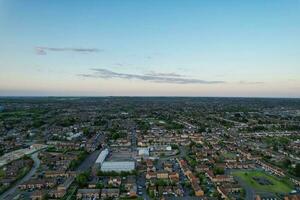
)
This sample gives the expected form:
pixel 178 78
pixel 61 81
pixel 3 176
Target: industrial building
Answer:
pixel 102 157
pixel 118 166
pixel 143 151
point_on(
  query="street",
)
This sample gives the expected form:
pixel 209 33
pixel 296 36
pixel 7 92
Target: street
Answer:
pixel 88 162
pixel 14 191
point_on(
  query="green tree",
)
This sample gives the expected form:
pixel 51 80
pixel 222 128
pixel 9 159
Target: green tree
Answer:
pixel 86 131
pixel 82 179
pixel 297 170
pixel 115 136
pixel 286 163
pixel 218 170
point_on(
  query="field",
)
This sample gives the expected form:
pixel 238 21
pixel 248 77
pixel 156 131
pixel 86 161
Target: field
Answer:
pixel 229 155
pixel 272 183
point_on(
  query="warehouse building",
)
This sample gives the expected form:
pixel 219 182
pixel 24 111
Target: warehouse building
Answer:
pixel 143 151
pixel 102 157
pixel 118 166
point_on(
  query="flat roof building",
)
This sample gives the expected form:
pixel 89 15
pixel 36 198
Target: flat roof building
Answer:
pixel 102 157
pixel 118 166
pixel 143 151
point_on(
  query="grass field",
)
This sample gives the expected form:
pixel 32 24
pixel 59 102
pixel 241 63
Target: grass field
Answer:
pixel 278 185
pixel 229 155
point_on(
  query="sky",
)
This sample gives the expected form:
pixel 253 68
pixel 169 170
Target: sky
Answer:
pixel 226 48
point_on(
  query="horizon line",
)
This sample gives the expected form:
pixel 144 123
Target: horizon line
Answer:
pixel 140 96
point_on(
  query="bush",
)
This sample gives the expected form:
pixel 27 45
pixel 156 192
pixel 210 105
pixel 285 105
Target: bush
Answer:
pixel 82 179
pixel 218 170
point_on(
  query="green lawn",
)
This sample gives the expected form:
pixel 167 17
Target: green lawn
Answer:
pixel 278 186
pixel 229 155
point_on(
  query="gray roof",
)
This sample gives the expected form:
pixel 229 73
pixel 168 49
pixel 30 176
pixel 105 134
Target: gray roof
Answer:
pixel 88 191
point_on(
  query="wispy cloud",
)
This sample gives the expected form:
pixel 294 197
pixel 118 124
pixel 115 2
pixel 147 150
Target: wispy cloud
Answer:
pixel 164 74
pixel 154 77
pixel 250 82
pixel 44 50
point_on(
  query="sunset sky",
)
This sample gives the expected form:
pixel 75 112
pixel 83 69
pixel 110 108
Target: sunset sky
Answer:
pixel 150 48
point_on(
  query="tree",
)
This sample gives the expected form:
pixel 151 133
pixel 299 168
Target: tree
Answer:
pixel 82 179
pixel 86 131
pixel 115 136
pixel 2 173
pixel 218 170
pixel 161 182
pixel 45 196
pixel 275 148
pixel 286 163
pixel 201 129
pixel 297 170
pixel 100 185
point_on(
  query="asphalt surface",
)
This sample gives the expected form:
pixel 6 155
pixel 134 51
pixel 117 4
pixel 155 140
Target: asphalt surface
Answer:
pixel 141 180
pixel 250 193
pixel 133 140
pixel 14 191
pixel 89 161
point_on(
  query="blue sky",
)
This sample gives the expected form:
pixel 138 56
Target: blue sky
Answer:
pixel 172 48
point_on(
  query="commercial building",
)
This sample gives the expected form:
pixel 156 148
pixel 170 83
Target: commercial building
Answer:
pixel 143 151
pixel 118 166
pixel 102 157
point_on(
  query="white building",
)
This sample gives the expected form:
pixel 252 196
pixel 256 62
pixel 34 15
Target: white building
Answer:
pixel 71 136
pixel 118 166
pixel 102 157
pixel 169 148
pixel 143 151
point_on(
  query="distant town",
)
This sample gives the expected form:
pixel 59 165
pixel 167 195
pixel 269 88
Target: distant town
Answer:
pixel 149 148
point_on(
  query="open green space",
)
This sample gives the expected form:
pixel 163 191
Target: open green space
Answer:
pixel 276 185
pixel 229 155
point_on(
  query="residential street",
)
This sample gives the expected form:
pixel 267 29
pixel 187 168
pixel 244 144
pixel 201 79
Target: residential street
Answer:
pixel 14 191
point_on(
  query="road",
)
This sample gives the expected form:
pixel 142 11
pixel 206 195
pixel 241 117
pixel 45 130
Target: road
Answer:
pixel 14 191
pixel 133 140
pixel 141 180
pixel 88 162
pixel 250 193
pixel 17 154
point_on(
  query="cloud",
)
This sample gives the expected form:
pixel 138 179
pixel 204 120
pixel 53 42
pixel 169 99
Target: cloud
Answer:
pixel 249 82
pixel 164 74
pixel 44 50
pixel 149 57
pixel 154 77
pixel 119 64
pixel 40 51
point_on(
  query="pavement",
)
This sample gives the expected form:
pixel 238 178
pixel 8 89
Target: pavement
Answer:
pixel 141 180
pixel 133 140
pixel 250 193
pixel 14 191
pixel 17 154
pixel 141 177
pixel 183 198
pixel 89 161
